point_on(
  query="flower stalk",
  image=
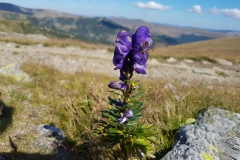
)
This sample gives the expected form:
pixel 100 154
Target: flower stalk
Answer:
pixel 120 125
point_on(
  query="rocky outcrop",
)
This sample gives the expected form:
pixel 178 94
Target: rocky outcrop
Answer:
pixel 214 136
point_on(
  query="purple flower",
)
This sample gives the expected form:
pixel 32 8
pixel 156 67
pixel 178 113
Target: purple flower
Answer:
pixel 123 46
pixel 131 52
pixel 142 41
pixel 124 117
pixel 140 62
pixel 122 120
pixel 120 103
pixel 129 113
pixel 117 85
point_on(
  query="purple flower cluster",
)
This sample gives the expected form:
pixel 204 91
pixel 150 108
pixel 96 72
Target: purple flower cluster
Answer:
pixel 131 52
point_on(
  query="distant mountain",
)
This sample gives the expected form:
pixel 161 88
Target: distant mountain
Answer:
pixel 13 8
pixel 169 30
pixel 229 32
pixel 98 29
pixel 33 12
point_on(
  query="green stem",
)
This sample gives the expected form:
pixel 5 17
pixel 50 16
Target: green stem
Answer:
pixel 127 91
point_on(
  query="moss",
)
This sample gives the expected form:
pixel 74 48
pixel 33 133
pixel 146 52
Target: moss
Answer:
pixel 212 148
pixel 207 156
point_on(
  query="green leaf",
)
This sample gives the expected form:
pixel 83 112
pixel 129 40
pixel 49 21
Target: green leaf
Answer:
pixel 141 141
pixel 137 95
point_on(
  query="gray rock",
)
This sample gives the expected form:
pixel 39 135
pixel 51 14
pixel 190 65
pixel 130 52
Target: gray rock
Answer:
pixel 49 137
pixel 171 60
pixel 224 62
pixel 188 61
pixel 14 70
pixel 214 136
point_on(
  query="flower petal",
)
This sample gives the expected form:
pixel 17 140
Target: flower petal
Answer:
pixel 122 120
pixel 140 62
pixel 117 85
pixel 129 113
pixel 123 45
pixel 142 41
pixel 120 103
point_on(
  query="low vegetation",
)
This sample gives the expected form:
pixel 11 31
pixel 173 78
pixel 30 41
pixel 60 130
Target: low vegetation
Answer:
pixel 71 99
pixel 225 48
pixel 49 42
pixel 70 102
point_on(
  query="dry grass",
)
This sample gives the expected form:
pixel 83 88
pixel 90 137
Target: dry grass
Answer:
pixel 71 101
pixel 21 40
pixel 225 48
pixel 48 99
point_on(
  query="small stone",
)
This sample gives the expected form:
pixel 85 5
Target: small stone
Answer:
pixel 49 136
pixel 171 60
pixel 14 70
pixel 188 60
pixel 224 62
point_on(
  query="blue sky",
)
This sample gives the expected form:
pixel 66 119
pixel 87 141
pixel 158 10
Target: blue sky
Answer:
pixel 210 14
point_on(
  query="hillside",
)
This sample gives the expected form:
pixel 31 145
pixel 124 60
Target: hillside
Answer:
pixel 225 48
pixel 32 12
pixel 167 30
pixel 99 29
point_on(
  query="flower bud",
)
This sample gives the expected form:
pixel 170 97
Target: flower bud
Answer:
pixel 117 85
pixel 129 113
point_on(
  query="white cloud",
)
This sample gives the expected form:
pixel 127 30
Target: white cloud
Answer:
pixel 152 5
pixel 195 9
pixel 235 13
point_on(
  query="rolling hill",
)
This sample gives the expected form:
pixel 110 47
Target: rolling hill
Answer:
pixel 224 48
pixel 99 29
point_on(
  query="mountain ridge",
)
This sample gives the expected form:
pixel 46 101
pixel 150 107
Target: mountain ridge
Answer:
pixel 101 29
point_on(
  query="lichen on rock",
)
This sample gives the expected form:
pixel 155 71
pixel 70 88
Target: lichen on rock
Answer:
pixel 209 138
pixel 14 70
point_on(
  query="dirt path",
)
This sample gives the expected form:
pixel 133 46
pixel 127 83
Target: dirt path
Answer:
pixel 74 59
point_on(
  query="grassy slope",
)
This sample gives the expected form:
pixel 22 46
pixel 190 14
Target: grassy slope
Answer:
pixel 54 93
pixel 17 26
pixel 24 27
pixel 226 48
